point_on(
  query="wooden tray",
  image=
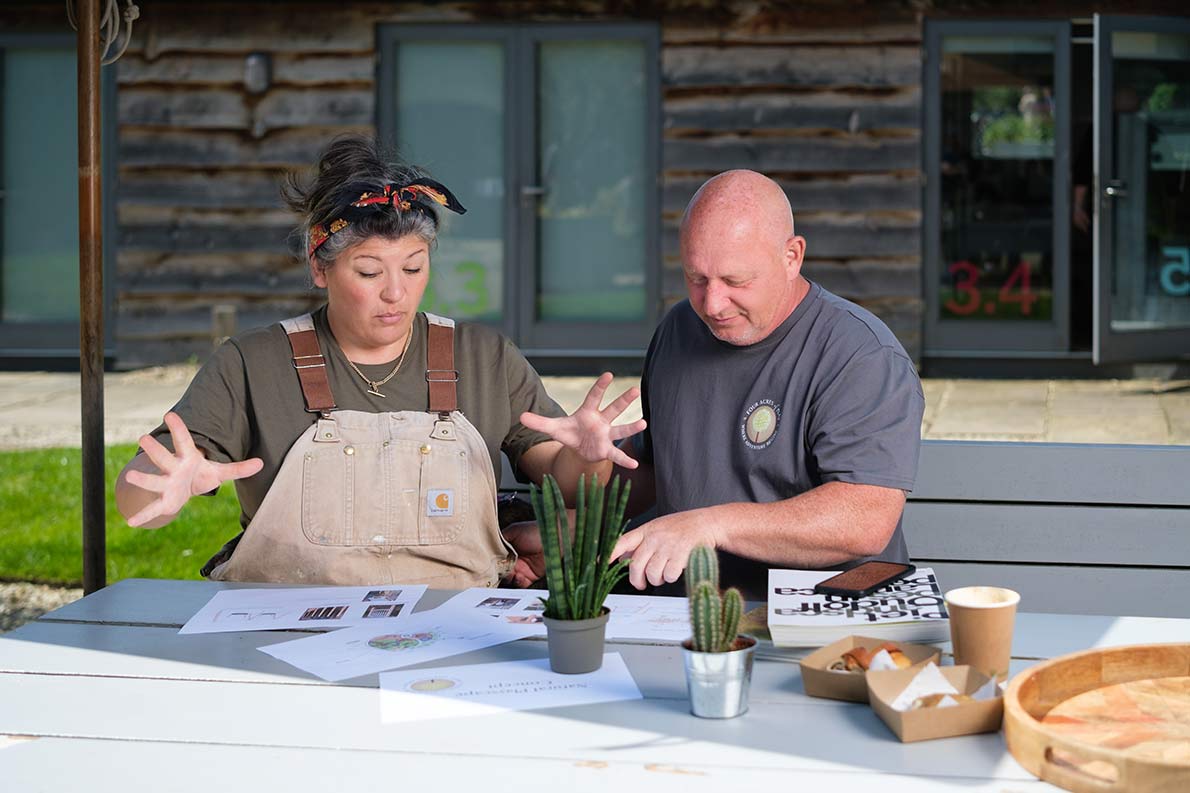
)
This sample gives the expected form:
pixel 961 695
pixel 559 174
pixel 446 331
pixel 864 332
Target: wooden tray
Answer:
pixel 1115 719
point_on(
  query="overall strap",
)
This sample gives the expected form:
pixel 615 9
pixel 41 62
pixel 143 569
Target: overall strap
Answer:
pixel 309 363
pixel 440 364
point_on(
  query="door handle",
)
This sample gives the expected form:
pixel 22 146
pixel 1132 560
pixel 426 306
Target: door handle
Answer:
pixel 532 190
pixel 1116 189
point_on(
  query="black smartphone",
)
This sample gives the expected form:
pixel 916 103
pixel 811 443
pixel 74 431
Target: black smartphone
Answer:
pixel 864 579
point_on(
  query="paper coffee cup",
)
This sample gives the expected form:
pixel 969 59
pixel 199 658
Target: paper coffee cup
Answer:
pixel 981 622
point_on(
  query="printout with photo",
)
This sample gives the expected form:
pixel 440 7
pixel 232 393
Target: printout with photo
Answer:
pixel 426 636
pixel 521 609
pixel 304 608
pixel 485 689
pixel 648 618
pixel 634 617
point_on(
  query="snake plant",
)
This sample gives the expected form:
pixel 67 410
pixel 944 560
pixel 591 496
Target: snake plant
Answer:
pixel 577 570
pixel 715 620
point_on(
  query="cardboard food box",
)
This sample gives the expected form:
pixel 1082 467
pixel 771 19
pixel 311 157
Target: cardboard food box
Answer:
pixel 819 681
pixel 925 724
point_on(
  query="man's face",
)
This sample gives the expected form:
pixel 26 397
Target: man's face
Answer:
pixel 742 288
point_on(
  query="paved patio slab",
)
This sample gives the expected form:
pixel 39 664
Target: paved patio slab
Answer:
pixel 42 409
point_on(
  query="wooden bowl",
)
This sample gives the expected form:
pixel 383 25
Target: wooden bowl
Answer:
pixel 1131 734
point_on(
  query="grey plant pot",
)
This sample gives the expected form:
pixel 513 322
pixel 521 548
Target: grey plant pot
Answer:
pixel 576 646
pixel 718 682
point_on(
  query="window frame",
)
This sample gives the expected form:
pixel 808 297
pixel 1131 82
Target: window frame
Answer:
pixel 995 338
pixel 35 342
pixel 1109 345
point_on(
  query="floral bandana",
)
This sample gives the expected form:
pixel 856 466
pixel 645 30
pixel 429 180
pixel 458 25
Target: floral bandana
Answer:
pixel 359 201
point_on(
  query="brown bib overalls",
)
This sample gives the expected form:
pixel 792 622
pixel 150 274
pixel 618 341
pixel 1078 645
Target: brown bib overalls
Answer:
pixel 377 498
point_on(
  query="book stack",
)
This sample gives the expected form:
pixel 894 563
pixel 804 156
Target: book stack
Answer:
pixel 909 610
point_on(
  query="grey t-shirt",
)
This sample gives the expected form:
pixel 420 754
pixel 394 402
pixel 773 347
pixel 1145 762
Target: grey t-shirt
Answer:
pixel 246 401
pixel 829 396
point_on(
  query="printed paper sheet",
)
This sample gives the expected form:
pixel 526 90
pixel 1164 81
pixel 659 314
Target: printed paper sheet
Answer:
pixel 484 689
pixel 633 617
pixel 304 608
pixel 426 636
pixel 516 609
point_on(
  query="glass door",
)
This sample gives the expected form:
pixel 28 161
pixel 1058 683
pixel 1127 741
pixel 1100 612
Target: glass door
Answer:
pixel 1142 185
pixel 549 135
pixel 450 118
pixel 589 191
pixel 997 175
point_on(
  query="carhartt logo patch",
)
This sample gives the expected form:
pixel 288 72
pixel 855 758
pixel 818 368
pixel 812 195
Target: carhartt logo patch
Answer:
pixel 761 420
pixel 440 503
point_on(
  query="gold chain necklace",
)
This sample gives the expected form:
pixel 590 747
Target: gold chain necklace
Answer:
pixel 374 385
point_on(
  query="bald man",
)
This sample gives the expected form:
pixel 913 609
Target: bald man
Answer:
pixel 783 422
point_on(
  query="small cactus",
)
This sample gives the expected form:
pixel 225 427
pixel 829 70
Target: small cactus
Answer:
pixel 733 607
pixel 703 565
pixel 715 620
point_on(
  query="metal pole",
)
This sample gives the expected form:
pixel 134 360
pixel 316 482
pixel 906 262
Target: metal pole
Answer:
pixel 91 299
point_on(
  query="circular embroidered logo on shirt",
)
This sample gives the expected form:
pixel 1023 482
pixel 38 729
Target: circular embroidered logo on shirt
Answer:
pixel 760 424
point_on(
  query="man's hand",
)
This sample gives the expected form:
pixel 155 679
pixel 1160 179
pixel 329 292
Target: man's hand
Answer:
pixel 530 564
pixel 185 472
pixel 589 431
pixel 660 548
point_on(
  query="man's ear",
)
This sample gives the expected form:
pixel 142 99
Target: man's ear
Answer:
pixel 795 254
pixel 317 273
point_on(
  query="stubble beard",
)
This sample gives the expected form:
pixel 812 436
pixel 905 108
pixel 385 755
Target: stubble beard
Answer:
pixel 743 338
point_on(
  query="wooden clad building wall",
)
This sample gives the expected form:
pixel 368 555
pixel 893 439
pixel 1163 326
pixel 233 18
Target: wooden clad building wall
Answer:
pixel 823 96
pixel 201 162
pixel 826 99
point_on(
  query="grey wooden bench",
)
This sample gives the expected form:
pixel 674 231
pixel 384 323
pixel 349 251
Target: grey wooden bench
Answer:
pixel 1076 529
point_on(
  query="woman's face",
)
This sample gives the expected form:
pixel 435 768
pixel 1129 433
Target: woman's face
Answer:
pixel 373 290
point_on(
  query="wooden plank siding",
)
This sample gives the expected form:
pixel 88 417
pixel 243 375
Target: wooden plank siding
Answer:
pixel 832 111
pixel 200 219
pixel 201 223
pixel 825 100
pixel 824 96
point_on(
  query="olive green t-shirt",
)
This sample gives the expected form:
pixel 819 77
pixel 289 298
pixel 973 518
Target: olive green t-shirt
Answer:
pixel 246 400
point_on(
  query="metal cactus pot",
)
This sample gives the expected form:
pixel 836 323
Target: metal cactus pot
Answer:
pixel 718 660
pixel 718 683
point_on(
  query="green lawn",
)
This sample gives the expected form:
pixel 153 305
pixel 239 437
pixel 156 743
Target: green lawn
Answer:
pixel 41 523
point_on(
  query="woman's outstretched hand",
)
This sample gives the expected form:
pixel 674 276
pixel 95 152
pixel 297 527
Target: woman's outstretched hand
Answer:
pixel 184 472
pixel 589 430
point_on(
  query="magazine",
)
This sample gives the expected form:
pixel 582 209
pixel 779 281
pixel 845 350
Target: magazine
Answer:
pixel 909 610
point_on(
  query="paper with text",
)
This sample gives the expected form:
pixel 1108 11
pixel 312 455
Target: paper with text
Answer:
pixel 633 617
pixel 304 608
pixel 520 610
pixel 426 636
pixel 484 689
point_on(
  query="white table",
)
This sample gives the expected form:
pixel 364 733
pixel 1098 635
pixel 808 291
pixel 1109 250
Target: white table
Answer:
pixel 117 700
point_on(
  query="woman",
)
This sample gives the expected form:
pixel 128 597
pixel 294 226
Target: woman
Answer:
pixel 364 438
